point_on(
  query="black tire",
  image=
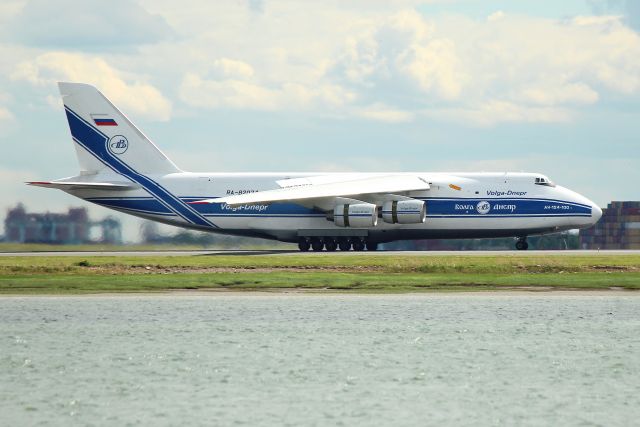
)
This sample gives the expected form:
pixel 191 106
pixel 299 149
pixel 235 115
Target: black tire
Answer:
pixel 372 246
pixel 344 244
pixel 522 245
pixel 304 245
pixel 330 245
pixel 316 244
pixel 358 245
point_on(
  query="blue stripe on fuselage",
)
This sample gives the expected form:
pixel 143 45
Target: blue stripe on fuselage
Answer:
pixel 436 208
pixel 504 207
pixel 214 210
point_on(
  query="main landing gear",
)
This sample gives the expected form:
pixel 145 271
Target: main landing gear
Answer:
pixel 522 244
pixel 330 244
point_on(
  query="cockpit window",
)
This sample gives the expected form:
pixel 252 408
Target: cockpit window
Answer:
pixel 544 181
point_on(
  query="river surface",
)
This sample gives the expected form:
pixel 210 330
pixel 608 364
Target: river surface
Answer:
pixel 432 359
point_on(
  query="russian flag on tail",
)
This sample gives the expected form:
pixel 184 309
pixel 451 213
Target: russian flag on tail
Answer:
pixel 103 120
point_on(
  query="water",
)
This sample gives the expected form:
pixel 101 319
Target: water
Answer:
pixel 490 359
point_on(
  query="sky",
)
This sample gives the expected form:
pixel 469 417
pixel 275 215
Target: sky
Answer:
pixel 364 85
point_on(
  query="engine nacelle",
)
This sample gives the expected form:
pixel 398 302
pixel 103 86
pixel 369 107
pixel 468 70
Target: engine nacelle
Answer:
pixel 355 215
pixel 404 212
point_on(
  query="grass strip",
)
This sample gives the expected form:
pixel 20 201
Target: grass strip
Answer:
pixel 352 282
pixel 502 264
pixel 338 272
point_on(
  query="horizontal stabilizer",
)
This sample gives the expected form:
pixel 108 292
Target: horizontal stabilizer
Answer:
pixel 69 185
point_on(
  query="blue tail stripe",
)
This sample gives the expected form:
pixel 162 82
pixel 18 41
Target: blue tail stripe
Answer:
pixel 96 143
pixel 156 198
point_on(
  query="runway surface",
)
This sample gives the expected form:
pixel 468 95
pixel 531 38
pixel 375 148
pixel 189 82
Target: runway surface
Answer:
pixel 295 252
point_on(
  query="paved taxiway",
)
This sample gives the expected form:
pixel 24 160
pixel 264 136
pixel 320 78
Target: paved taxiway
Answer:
pixel 295 252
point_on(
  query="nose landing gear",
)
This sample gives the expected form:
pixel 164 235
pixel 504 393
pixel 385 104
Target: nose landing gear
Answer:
pixel 522 244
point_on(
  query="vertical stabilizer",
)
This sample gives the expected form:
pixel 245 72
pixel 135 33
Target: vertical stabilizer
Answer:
pixel 104 137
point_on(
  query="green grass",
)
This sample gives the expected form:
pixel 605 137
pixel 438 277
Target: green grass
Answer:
pixel 351 273
pixel 507 263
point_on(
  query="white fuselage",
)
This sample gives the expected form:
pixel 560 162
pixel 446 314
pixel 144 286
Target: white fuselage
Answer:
pixel 458 205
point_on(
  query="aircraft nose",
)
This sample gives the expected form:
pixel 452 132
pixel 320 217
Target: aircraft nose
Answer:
pixel 596 212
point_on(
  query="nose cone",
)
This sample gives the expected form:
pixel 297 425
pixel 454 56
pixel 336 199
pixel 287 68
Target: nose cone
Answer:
pixel 571 196
pixel 596 213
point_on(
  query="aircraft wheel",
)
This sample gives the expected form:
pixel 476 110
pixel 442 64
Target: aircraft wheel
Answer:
pixel 330 245
pixel 316 244
pixel 304 245
pixel 344 244
pixel 522 245
pixel 358 245
pixel 372 246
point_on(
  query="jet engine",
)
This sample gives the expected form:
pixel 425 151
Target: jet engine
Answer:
pixel 404 212
pixel 355 215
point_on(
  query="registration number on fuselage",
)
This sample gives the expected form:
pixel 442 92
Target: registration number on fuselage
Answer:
pixel 557 207
pixel 231 192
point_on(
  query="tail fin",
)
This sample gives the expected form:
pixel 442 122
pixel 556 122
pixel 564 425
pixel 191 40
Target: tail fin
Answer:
pixel 105 139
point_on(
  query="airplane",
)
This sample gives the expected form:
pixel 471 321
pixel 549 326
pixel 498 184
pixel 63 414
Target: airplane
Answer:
pixel 121 169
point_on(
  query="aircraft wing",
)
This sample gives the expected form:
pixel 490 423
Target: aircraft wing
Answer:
pixel 79 185
pixel 348 187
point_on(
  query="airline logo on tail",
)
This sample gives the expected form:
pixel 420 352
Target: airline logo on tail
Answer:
pixel 118 144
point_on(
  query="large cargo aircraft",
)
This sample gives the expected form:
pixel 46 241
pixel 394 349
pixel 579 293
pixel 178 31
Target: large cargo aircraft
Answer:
pixel 120 168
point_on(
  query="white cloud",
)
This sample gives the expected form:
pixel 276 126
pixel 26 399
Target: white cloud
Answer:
pixel 126 91
pixel 6 119
pixel 495 111
pixel 403 47
pixel 629 8
pixel 346 60
pixel 496 16
pixel 572 93
pixel 510 68
pixel 242 94
pixel 383 113
pixel 5 114
pixel 198 92
pixel 89 24
pixel 232 68
pixel 435 67
pixel 587 20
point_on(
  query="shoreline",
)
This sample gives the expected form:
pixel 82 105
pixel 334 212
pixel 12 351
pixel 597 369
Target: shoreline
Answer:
pixel 523 292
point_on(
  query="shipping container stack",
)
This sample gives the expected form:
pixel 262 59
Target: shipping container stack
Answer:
pixel 619 228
